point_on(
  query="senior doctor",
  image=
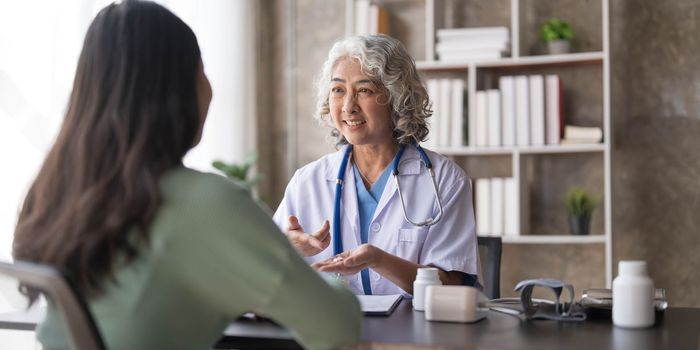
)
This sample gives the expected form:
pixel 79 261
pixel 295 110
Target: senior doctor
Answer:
pixel 371 94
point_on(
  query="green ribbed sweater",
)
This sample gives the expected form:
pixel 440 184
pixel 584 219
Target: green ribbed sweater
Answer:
pixel 213 255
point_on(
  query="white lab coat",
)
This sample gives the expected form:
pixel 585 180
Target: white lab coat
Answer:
pixel 450 244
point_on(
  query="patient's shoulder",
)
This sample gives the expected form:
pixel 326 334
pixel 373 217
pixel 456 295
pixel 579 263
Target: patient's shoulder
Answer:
pixel 185 184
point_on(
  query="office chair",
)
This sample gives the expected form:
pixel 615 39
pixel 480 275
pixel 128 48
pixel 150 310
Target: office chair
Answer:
pixel 82 331
pixel 490 256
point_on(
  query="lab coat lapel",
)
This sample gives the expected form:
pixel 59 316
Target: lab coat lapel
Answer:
pixel 348 206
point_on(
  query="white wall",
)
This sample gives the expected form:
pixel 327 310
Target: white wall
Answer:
pixel 40 42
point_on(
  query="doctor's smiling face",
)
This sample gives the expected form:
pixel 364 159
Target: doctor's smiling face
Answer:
pixel 358 107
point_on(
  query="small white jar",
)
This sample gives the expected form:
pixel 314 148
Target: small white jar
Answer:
pixel 633 296
pixel 426 276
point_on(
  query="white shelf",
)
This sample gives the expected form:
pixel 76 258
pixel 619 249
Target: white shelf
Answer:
pixel 551 239
pixel 546 149
pixel 483 74
pixel 581 57
pixel 474 151
pixel 566 148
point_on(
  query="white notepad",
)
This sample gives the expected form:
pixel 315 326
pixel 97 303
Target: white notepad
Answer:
pixel 382 305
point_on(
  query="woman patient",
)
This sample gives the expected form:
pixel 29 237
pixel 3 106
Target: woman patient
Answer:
pixel 165 256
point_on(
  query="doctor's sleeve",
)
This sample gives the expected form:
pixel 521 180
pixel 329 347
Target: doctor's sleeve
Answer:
pixel 286 206
pixel 451 244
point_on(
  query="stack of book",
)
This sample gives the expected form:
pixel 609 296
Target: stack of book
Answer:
pixel 582 135
pixel 447 123
pixel 471 44
pixel 524 111
pixel 496 206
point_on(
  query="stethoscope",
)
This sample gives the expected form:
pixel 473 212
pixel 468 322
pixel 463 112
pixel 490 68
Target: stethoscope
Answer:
pixel 337 240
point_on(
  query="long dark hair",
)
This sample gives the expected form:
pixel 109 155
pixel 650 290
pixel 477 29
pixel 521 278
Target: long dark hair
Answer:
pixel 131 116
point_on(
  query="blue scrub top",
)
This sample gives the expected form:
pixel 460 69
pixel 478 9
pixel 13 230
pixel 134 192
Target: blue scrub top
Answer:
pixel 367 202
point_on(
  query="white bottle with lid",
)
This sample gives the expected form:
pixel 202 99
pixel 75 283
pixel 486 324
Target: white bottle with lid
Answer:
pixel 425 276
pixel 633 296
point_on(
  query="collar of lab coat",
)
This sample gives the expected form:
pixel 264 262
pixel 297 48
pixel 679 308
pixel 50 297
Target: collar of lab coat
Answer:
pixel 409 165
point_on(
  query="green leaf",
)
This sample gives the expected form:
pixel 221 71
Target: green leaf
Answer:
pixel 239 172
pixel 555 29
pixel 579 202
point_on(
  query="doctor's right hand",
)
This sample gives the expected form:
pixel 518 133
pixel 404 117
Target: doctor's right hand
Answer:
pixel 308 244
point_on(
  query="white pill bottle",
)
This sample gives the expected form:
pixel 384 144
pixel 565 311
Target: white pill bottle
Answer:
pixel 633 296
pixel 426 276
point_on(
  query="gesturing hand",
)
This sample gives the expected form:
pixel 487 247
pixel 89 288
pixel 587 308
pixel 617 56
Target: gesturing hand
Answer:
pixel 308 244
pixel 353 261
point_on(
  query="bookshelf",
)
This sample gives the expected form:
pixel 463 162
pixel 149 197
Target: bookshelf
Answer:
pixel 541 172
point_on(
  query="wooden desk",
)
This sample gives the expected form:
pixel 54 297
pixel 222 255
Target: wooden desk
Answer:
pixel 678 328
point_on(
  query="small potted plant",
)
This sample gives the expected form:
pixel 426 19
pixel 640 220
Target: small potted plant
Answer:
pixel 580 206
pixel 557 34
pixel 239 172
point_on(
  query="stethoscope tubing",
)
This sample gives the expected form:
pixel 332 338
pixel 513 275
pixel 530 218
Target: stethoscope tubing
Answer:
pixel 337 239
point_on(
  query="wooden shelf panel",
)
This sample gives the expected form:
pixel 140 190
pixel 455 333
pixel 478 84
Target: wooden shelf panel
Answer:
pixel 546 149
pixel 553 239
pixel 515 62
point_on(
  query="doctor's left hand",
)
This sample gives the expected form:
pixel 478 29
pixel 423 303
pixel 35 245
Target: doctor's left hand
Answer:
pixel 353 261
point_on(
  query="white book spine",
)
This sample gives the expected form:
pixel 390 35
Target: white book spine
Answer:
pixel 362 17
pixel 483 206
pixel 458 56
pixel 522 111
pixel 510 204
pixel 572 132
pixel 482 135
pixel 553 109
pixel 469 46
pixel 497 206
pixel 445 104
pixel 536 110
pixel 433 93
pixel 457 125
pixel 507 86
pixel 498 32
pixel 373 19
pixel 494 123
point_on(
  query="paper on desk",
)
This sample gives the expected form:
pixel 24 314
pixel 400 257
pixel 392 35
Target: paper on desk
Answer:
pixel 378 304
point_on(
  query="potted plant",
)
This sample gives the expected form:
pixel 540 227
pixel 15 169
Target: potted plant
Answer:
pixel 557 34
pixel 580 206
pixel 239 172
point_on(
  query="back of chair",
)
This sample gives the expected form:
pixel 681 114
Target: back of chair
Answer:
pixel 490 256
pixel 83 332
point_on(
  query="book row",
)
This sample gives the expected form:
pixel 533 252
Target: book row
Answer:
pixel 523 111
pixel 496 206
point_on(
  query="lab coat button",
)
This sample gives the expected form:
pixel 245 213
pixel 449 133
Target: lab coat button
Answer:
pixel 376 226
pixel 376 276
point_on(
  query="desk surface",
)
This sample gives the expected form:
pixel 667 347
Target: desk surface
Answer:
pixel 677 328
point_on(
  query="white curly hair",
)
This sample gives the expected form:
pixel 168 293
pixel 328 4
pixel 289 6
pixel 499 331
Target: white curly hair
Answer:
pixel 387 63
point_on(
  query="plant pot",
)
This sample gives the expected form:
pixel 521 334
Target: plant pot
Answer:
pixel 558 47
pixel 579 225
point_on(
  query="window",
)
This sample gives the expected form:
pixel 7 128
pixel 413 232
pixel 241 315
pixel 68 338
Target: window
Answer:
pixel 39 46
